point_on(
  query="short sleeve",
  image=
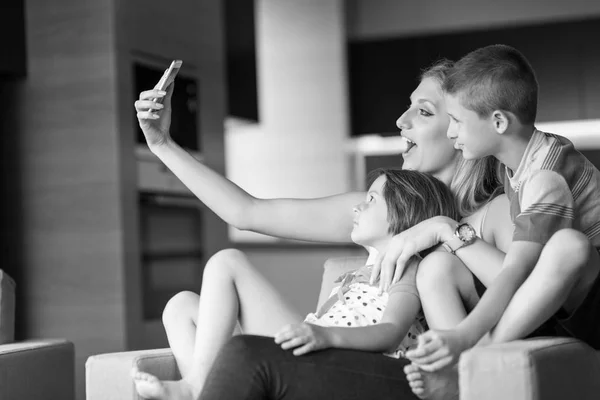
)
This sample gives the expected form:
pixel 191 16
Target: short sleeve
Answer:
pixel 546 205
pixel 408 281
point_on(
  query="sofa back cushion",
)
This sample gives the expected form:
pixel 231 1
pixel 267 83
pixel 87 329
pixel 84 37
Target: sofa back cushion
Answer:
pixel 7 308
pixel 333 268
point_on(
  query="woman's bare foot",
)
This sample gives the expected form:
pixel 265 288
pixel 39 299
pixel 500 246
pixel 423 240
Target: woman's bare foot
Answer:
pixel 439 385
pixel 149 386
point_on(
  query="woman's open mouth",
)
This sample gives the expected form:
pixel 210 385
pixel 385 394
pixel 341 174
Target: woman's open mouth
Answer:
pixel 409 144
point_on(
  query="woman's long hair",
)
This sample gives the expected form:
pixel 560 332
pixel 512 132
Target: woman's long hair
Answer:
pixel 476 182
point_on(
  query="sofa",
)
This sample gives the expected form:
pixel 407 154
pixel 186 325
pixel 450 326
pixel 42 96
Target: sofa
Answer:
pixel 535 369
pixel 37 370
pixel 32 369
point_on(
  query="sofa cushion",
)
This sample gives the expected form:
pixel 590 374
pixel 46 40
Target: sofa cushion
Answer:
pixel 333 268
pixel 7 308
pixel 532 369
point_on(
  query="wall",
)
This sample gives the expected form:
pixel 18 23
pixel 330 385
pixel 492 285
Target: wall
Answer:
pixel 80 269
pixel 279 162
pixel 383 71
pixel 71 280
pixel 369 19
pixel 298 148
pixel 297 272
pixel 191 31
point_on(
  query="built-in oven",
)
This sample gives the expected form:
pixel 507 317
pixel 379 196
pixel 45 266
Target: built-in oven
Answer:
pixel 171 243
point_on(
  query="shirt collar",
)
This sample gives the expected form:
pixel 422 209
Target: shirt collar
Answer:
pixel 515 178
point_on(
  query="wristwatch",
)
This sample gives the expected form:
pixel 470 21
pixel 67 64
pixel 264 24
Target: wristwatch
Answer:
pixel 464 235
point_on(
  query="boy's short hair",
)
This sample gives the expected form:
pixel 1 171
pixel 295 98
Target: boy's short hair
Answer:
pixel 413 196
pixel 496 77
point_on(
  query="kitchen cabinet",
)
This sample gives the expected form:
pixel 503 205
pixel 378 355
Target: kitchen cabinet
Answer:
pixel 384 72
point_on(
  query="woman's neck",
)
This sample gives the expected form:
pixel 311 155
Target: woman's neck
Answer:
pixel 446 174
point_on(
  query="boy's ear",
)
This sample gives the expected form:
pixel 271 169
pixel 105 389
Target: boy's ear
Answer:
pixel 501 120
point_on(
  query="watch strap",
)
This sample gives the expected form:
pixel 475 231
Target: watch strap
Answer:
pixel 453 244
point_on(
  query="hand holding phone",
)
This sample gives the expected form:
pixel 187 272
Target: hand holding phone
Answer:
pixel 168 77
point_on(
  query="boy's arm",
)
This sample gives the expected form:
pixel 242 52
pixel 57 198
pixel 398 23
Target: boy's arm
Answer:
pixel 547 206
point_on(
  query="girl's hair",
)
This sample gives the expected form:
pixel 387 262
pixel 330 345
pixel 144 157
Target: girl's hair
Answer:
pixel 412 197
pixel 476 181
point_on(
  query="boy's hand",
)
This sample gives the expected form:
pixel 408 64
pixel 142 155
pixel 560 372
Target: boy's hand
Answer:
pixel 437 350
pixel 303 337
pixel 391 263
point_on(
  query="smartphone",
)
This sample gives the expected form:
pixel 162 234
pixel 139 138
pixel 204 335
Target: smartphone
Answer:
pixel 168 77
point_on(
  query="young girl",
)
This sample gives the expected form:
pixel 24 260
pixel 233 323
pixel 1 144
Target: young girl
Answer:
pixel 357 316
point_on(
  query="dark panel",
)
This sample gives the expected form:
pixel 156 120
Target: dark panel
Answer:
pixel 12 30
pixel 590 74
pixel 393 161
pixel 593 156
pixel 241 59
pixel 11 209
pixel 184 105
pixel 383 73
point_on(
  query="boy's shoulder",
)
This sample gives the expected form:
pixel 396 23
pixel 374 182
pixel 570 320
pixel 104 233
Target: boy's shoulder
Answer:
pixel 551 162
pixel 551 152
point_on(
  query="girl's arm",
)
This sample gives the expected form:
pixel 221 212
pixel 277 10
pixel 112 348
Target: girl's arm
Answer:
pixel 399 315
pixel 327 219
pixel 385 336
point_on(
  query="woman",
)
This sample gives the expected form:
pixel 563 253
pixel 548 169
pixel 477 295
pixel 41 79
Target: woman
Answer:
pixel 424 125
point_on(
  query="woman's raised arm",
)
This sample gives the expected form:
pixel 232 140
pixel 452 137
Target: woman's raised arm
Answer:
pixel 327 219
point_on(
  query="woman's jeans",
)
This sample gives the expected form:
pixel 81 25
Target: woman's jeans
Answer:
pixel 255 367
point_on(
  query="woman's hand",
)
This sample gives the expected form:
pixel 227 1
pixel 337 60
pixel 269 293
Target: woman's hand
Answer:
pixel 391 263
pixel 155 118
pixel 303 337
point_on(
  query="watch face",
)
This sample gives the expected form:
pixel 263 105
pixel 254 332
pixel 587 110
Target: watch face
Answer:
pixel 466 233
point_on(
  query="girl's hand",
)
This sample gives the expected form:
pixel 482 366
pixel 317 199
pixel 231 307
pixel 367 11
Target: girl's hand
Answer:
pixel 304 338
pixel 391 263
pixel 155 118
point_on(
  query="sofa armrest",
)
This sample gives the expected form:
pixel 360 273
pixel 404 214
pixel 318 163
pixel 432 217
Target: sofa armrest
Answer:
pixel 37 369
pixel 534 369
pixel 108 376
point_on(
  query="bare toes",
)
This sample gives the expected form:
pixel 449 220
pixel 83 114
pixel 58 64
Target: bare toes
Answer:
pixel 410 368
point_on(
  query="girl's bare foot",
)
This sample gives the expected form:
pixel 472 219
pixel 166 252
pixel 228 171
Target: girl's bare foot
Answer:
pixel 439 385
pixel 149 386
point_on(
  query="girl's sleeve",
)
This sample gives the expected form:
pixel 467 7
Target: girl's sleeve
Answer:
pixel 408 281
